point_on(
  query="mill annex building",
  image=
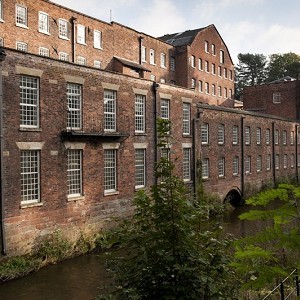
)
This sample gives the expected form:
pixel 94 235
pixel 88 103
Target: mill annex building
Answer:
pixel 79 103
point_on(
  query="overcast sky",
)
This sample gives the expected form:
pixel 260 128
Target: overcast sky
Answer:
pixel 246 26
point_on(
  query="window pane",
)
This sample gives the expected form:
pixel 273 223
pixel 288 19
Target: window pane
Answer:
pixel 110 110
pixel 140 172
pixel 140 113
pixel 74 172
pixel 110 182
pixel 74 106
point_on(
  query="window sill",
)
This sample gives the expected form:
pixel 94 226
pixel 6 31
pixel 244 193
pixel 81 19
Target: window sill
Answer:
pixel 205 179
pixel 140 133
pixel 98 48
pixel 75 198
pixel 84 44
pixel 44 32
pixel 152 64
pixel 187 181
pixel 33 204
pixel 1 20
pixel 221 177
pixel 139 187
pixel 186 135
pixel 30 129
pixel 64 38
pixel 110 193
pixel 22 26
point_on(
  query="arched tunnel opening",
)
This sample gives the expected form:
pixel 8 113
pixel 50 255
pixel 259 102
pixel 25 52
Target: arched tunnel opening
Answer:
pixel 234 197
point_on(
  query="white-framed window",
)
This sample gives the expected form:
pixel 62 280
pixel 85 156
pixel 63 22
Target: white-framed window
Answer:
pixel 268 162
pixel 277 162
pixel 110 170
pixel 1 41
pixel 258 135
pixel 110 99
pixel 44 51
pixel 248 164
pixel 97 39
pixel 284 137
pixel 292 137
pixel 268 135
pixel 222 57
pixel 21 15
pixel 172 63
pixel 213 49
pixel 292 160
pixel 43 22
pixel 230 75
pixel 165 109
pixel 235 166
pixel 81 60
pixel 29 102
pixel 259 163
pixel 213 69
pixel 221 167
pixel 206 66
pixel 152 56
pixel 200 66
pixel 221 134
pixel 143 54
pixel 140 168
pixel 152 77
pixel 162 80
pixel 186 164
pixel 186 118
pixel 285 161
pixel 63 56
pixel 74 172
pixel 193 83
pixel 81 34
pixel 225 93
pixel 276 137
pixel 205 168
pixel 140 102
pixel 235 135
pixel 63 29
pixel 30 176
pixel 193 61
pixel 213 89
pixel 225 73
pixel 200 86
pixel 219 91
pixel 206 46
pixel 230 94
pixel 276 97
pixel 74 101
pixel 21 46
pixel 219 71
pixel 97 64
pixel 206 88
pixel 1 10
pixel 204 133
pixel 247 135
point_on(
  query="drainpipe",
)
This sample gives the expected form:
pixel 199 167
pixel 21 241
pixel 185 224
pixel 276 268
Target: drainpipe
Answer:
pixel 155 87
pixel 296 151
pixel 242 158
pixel 73 38
pixel 3 241
pixel 273 154
pixel 140 48
pixel 195 156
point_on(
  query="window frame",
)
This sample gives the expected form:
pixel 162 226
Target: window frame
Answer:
pixel 21 23
pixel 63 29
pixel 74 172
pixel 165 109
pixel 204 133
pixel 110 171
pixel 247 135
pixel 258 136
pixel 221 167
pixel 221 134
pixel 46 51
pixel 172 63
pixel 143 54
pixel 259 163
pixel 97 39
pixel 235 166
pixel 63 56
pixel 140 113
pixel 110 110
pixel 205 168
pixel 81 34
pixel 21 46
pixel 235 135
pixel 43 24
pixel 140 168
pixel 186 118
pixel 152 57
pixel 248 165
pixel 186 164
pixel 74 104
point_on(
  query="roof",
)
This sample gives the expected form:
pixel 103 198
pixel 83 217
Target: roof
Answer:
pixel 131 64
pixel 283 79
pixel 181 38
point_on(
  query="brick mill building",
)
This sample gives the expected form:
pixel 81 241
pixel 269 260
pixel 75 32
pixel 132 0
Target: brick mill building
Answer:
pixel 80 102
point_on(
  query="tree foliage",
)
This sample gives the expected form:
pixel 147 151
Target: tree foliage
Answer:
pixel 275 251
pixel 167 253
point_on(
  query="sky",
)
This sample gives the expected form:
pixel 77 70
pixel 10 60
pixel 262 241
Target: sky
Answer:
pixel 246 26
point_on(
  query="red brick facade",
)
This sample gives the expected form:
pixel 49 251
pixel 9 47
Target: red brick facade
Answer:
pixel 63 121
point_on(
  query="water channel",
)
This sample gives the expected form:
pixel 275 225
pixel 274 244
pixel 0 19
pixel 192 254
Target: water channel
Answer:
pixel 84 277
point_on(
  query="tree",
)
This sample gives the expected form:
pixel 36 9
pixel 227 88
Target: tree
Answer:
pixel 167 255
pixel 250 71
pixel 275 251
pixel 281 65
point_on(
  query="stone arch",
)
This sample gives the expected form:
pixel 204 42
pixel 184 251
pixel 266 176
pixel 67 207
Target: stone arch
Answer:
pixel 234 197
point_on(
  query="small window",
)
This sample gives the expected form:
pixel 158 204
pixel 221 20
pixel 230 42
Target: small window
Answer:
pixel 43 51
pixel 276 98
pixel 247 135
pixel 186 118
pixel 219 71
pixel 81 60
pixel 259 163
pixel 285 161
pixel 200 86
pixel 43 22
pixel 193 83
pixel 284 137
pixel 292 138
pixel 64 56
pixel 1 10
pixel 221 134
pixel 235 135
pixel 205 168
pixel 225 93
pixel 206 87
pixel 163 60
pixel 165 109
pixel 110 100
pixel 110 170
pixel 80 34
pixel 143 54
pixel 276 137
pixel 162 80
pixel 213 89
pixel 235 166
pixel 74 105
pixel 258 135
pixel 221 167
pixel 21 16
pixel 277 162
pixel 200 66
pixel 140 102
pixel 152 77
pixel 219 91
pixel 186 163
pixel 292 160
pixel 172 63
pixel 204 133
pixel 63 29
pixel 213 69
pixel 230 94
pixel 248 164
pixel 74 172
pixel 22 46
pixel 268 133
pixel 225 73
pixel 206 66
pixel 97 39
pixel 152 56
pixel 97 64
pixel 206 47
pixel 140 168
pixel 268 162
pixel 1 42
pixel 213 49
pixel 193 59
pixel 222 58
pixel 230 75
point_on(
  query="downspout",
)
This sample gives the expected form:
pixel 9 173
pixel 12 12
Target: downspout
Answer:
pixel 273 154
pixel 3 240
pixel 73 39
pixel 296 151
pixel 242 159
pixel 195 156
pixel 140 48
pixel 154 89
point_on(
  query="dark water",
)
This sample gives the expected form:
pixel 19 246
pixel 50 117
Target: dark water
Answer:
pixel 85 277
pixel 80 278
